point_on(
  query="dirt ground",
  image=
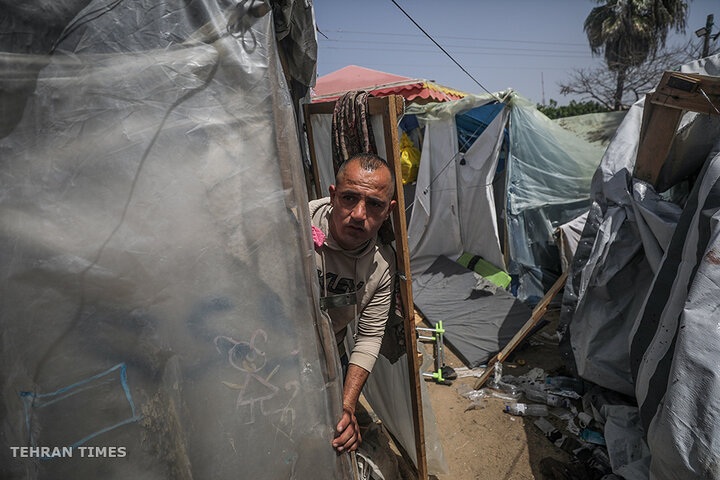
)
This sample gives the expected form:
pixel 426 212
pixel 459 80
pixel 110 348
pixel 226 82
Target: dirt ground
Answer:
pixel 487 443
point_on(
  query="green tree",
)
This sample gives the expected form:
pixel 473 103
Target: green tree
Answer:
pixel 629 31
pixel 552 110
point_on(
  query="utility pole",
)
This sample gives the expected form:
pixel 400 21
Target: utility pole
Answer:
pixel 706 32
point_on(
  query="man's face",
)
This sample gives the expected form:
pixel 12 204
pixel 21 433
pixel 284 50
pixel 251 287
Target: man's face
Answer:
pixel 361 203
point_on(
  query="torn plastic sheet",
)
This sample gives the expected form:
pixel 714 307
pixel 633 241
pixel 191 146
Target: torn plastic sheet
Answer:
pixel 156 269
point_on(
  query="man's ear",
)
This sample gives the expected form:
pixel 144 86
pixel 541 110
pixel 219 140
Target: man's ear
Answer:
pixel 332 191
pixel 392 206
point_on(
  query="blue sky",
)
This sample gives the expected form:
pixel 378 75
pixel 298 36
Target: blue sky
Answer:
pixel 511 43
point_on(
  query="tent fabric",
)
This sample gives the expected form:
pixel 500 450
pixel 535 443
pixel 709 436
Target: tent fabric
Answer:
pixel 333 85
pixel 568 236
pixel 663 351
pixel 454 207
pixel 548 184
pixel 477 323
pixel 156 264
pixel 548 180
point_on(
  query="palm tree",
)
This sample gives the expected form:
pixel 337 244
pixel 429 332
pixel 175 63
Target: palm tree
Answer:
pixel 629 31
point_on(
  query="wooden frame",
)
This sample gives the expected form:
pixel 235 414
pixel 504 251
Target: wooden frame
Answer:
pixel 676 93
pixel 390 108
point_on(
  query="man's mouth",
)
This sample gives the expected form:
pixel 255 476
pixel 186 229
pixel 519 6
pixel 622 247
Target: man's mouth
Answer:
pixel 355 228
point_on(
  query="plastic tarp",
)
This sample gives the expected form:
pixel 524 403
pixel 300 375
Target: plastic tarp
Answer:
pixel 156 269
pixel 567 236
pixel 454 207
pixel 478 322
pixel 655 341
pixel 548 184
pixel 322 136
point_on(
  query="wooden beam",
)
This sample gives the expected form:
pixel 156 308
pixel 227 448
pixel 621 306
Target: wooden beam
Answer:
pixel 537 314
pixel 311 147
pixel 393 105
pixel 675 94
pixel 376 106
pixel 659 125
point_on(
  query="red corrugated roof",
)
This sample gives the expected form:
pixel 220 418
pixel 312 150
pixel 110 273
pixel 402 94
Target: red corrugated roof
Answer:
pixel 335 84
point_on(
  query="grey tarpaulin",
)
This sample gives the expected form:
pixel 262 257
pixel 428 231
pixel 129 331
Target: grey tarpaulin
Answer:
pixel 641 295
pixel 156 269
pixel 676 343
pixel 477 323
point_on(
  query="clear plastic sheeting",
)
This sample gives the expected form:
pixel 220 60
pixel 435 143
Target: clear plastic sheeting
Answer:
pixel 156 269
pixel 548 184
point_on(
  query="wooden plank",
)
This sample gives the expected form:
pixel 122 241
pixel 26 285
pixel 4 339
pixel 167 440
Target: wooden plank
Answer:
pixel 659 125
pixel 376 106
pixel 311 147
pixel 537 314
pixel 393 104
pixel 694 103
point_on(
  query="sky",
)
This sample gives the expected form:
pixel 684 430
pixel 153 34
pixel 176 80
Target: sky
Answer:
pixel 521 44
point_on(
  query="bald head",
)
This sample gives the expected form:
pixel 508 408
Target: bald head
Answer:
pixel 368 162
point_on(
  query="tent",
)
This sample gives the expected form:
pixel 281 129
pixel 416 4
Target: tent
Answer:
pixel 335 84
pixel 640 304
pixel 472 198
pixel 159 297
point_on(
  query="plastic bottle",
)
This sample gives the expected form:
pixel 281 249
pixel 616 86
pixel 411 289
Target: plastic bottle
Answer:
pixel 526 410
pixel 547 398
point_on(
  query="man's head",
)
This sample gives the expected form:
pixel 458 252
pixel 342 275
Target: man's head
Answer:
pixel 361 199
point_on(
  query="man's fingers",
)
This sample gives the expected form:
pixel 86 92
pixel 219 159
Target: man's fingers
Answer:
pixel 352 444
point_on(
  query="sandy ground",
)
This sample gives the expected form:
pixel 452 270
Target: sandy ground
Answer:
pixel 486 443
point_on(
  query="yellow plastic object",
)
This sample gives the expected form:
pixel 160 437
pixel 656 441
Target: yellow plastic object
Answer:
pixel 409 159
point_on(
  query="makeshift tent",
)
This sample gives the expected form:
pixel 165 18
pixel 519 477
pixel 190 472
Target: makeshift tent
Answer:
pixel 156 274
pixel 350 78
pixel 545 183
pixel 640 304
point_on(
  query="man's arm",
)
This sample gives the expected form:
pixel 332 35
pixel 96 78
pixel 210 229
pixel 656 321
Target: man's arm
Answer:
pixel 348 432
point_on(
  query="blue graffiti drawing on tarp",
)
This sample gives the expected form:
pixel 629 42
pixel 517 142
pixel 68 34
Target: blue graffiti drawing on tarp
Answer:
pixel 40 400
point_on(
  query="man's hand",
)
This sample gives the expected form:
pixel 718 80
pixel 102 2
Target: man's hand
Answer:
pixel 348 433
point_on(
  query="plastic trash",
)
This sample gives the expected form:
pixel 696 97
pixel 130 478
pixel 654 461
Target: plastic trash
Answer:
pixel 592 436
pixel 526 410
pixel 535 395
pixel 565 383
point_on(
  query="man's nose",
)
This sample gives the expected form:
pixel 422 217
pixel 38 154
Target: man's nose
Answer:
pixel 359 212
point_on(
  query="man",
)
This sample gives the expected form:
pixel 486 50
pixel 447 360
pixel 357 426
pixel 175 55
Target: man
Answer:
pixel 352 261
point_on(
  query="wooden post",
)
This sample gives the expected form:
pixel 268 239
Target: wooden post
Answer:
pixel 392 149
pixel 311 147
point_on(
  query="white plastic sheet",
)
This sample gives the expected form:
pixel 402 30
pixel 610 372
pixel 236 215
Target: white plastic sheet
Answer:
pixel 454 209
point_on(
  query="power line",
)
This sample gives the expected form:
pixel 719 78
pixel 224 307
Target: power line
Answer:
pixel 394 34
pixel 408 50
pixel 364 42
pixel 441 48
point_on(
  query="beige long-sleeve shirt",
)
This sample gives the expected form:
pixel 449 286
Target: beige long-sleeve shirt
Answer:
pixel 369 271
